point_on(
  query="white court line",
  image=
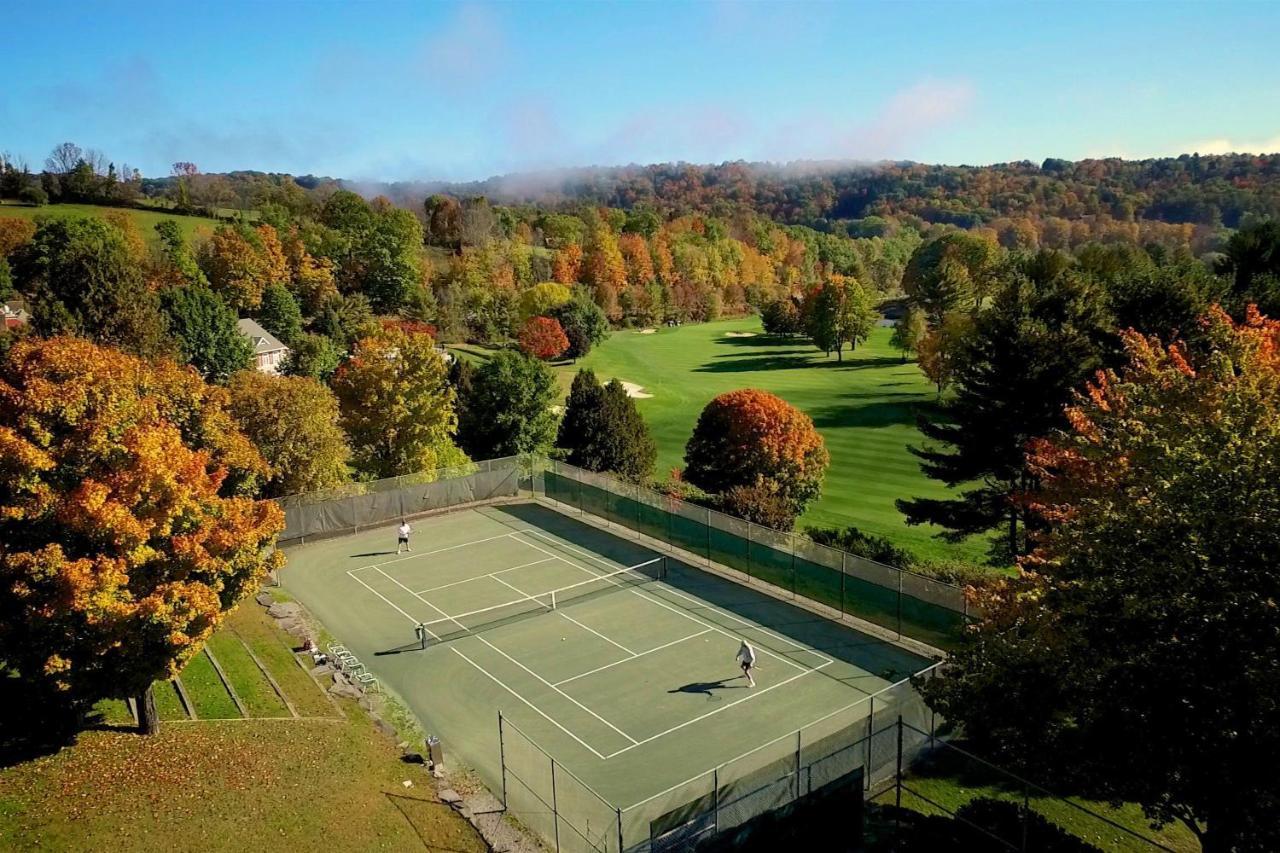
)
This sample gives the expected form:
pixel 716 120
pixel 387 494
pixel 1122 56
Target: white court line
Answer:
pixel 515 588
pixel 748 698
pixel 557 689
pixel 755 627
pixel 597 633
pixel 436 551
pixel 493 575
pixel 706 606
pixel 505 655
pixel 633 657
pixel 549 719
pixel 663 604
pixel 383 597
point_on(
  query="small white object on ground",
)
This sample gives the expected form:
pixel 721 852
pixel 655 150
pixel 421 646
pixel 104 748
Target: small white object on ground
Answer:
pixel 635 391
pixel 739 334
pixel 647 331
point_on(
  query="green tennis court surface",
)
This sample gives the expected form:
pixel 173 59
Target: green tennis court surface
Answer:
pixel 629 680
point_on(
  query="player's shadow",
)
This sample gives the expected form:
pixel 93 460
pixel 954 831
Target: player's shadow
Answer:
pixel 374 554
pixel 706 687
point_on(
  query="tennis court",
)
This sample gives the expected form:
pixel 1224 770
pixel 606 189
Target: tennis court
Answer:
pixel 612 657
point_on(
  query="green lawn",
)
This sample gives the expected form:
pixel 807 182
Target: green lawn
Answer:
pixel 168 703
pixel 145 219
pixel 327 780
pixel 257 694
pixel 206 690
pixel 955 789
pixel 865 407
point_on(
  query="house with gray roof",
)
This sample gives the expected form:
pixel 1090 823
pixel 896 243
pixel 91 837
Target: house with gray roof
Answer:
pixel 268 352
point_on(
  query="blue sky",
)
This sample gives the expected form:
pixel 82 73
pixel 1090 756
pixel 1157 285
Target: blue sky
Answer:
pixel 417 90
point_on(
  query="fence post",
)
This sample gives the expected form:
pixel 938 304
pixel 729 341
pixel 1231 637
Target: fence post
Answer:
pixel 621 846
pixel 797 796
pixel 750 541
pixel 791 537
pixel 502 761
pixel 871 733
pixel 898 777
pixel 668 510
pixel 899 604
pixel 844 572
pixel 555 809
pixel 715 800
pixel 708 538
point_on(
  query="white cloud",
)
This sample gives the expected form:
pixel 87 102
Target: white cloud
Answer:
pixel 1223 145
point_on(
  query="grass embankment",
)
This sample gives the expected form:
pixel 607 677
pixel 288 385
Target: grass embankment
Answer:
pixel 865 407
pixel 324 780
pixel 952 790
pixel 192 226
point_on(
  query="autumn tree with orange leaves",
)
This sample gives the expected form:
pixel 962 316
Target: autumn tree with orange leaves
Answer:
pixel 566 266
pixel 1135 657
pixel 126 521
pixel 542 337
pixel 751 438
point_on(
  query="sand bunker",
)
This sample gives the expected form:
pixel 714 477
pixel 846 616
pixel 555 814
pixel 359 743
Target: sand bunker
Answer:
pixel 647 331
pixel 636 391
pixel 739 334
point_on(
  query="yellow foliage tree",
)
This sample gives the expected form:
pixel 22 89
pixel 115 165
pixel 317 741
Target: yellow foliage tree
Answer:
pixel 397 405
pixel 125 519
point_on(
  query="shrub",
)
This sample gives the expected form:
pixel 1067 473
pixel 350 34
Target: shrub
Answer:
pixel 872 547
pixel 759 504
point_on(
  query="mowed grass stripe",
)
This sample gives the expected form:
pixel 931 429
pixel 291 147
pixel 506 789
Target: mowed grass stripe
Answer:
pixel 168 703
pixel 251 623
pixel 866 409
pixel 206 690
pixel 259 698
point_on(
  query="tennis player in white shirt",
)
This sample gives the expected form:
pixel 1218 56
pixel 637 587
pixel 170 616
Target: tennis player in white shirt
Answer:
pixel 747 660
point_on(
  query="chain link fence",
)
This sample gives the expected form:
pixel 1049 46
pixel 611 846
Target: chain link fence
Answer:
pixel 356 506
pixel 858 742
pixel 839 584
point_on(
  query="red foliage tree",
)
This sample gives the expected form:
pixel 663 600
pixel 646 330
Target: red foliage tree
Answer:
pixel 543 337
pixel 751 438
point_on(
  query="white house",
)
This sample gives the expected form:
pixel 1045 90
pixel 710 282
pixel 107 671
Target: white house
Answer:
pixel 14 314
pixel 268 353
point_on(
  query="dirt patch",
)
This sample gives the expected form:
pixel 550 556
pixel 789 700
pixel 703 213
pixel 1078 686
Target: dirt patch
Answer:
pixel 647 331
pixel 636 391
pixel 739 334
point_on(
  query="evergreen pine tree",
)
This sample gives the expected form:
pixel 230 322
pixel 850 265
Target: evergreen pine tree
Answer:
pixel 1045 333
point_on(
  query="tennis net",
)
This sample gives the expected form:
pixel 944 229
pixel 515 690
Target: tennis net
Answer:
pixel 452 627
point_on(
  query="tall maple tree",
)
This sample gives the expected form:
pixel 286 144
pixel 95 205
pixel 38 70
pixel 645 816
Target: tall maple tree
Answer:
pixel 1136 654
pixel 127 527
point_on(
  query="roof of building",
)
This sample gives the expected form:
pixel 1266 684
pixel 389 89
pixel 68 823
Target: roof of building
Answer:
pixel 263 341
